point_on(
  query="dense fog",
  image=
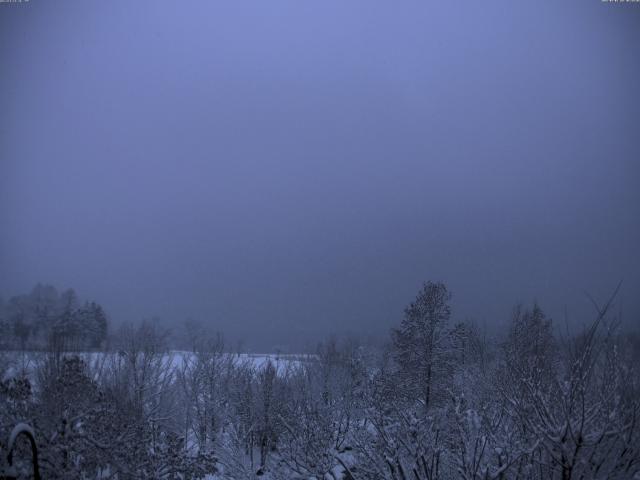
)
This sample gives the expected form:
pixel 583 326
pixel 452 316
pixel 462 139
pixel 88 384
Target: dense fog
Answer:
pixel 287 170
pixel 337 240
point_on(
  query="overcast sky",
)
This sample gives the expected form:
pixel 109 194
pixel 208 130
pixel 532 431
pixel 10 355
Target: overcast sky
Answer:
pixel 284 169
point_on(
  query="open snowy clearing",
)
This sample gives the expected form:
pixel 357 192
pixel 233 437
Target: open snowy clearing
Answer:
pixel 13 363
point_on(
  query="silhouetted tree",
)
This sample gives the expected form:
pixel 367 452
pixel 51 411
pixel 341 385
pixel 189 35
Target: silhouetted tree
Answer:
pixel 420 344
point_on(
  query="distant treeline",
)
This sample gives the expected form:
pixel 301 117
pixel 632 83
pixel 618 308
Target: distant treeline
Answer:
pixel 44 317
pixel 438 402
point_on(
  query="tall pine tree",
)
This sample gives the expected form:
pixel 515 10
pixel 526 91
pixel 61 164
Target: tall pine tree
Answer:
pixel 420 344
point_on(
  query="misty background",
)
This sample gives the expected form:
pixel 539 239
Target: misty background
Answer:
pixel 284 170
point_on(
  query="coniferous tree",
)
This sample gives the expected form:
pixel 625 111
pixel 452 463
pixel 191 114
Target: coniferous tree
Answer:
pixel 420 343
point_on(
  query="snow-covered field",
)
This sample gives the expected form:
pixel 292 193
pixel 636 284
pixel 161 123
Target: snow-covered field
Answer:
pixel 16 362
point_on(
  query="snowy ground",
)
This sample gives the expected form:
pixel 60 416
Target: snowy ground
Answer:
pixel 14 362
